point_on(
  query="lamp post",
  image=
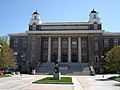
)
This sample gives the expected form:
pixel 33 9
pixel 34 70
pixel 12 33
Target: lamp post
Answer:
pixel 102 58
pixel 20 64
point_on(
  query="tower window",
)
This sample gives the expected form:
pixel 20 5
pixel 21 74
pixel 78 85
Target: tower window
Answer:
pixel 35 17
pixel 94 16
pixel 95 25
pixel 34 26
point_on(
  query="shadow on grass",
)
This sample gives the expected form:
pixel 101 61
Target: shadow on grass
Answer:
pixel 117 84
pixel 101 79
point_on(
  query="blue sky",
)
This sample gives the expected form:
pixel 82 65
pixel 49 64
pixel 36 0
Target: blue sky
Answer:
pixel 15 14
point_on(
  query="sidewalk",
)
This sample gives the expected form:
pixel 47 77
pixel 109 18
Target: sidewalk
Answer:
pixel 77 85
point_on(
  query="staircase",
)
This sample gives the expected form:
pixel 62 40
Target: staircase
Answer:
pixel 45 68
pixel 65 68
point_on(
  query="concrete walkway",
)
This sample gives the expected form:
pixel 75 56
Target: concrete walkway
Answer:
pixel 24 82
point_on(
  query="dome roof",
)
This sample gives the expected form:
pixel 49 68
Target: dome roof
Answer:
pixel 93 11
pixel 36 12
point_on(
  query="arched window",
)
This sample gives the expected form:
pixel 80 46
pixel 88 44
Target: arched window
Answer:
pixel 95 25
pixel 96 59
pixel 35 17
pixel 96 46
pixel 94 16
pixel 34 26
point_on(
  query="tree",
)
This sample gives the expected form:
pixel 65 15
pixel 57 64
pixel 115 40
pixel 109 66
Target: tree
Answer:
pixel 112 59
pixel 7 60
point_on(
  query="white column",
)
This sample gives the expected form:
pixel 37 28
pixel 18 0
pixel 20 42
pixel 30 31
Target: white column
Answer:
pixel 69 49
pixel 49 49
pixel 79 49
pixel 59 49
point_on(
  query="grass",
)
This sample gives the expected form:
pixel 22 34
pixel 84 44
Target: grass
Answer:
pixel 50 80
pixel 117 78
pixel 2 76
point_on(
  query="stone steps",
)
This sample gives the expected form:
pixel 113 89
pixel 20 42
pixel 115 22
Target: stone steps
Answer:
pixel 65 68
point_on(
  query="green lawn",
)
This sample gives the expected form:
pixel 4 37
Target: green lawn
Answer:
pixel 2 76
pixel 117 78
pixel 50 80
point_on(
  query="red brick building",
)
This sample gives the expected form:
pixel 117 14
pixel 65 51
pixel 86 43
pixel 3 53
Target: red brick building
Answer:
pixel 80 43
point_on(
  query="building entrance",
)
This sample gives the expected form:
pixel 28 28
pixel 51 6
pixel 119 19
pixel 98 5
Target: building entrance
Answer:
pixel 64 57
pixel 54 56
pixel 74 57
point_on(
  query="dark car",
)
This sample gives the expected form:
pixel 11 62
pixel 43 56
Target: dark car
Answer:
pixel 8 71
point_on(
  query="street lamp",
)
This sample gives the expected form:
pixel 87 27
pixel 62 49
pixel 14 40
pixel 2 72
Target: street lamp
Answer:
pixel 103 68
pixel 21 63
pixel 102 57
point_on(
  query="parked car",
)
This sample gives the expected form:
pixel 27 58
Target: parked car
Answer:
pixel 8 71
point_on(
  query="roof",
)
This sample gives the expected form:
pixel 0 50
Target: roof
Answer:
pixel 35 12
pixel 18 34
pixel 66 23
pixel 93 11
pixel 111 34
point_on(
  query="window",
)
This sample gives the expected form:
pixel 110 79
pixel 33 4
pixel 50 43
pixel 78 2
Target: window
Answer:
pixel 115 41
pixel 94 16
pixel 83 53
pixel 96 46
pixel 24 43
pixel 16 43
pixel 96 59
pixel 83 43
pixel 45 45
pixel 106 42
pixel 95 26
pixel 33 46
pixel 35 17
pixel 74 43
pixel 84 56
pixel 23 57
pixel 55 43
pixel 33 57
pixel 64 43
pixel 34 26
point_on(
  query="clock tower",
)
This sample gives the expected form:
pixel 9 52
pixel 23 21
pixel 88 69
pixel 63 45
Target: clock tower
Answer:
pixel 35 22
